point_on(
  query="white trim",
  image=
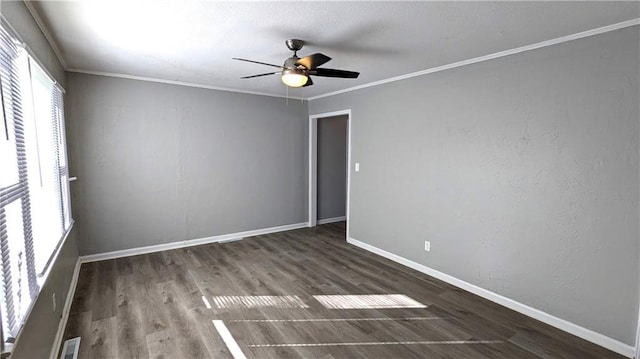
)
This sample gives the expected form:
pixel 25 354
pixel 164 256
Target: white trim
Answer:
pixel 64 317
pixel 54 256
pixel 495 55
pixel 47 35
pixel 313 155
pixel 584 333
pixel 559 40
pixel 188 243
pixel 41 284
pixel 331 114
pixel 181 83
pixel 332 220
pixel 637 346
pixel 348 211
pixel 637 349
pixel 313 171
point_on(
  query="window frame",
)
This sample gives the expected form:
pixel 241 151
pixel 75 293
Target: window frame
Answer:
pixel 13 125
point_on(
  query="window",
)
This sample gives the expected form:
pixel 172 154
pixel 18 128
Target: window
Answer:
pixel 34 180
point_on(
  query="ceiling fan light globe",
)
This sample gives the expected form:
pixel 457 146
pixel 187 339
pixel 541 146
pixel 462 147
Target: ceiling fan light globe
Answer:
pixel 294 78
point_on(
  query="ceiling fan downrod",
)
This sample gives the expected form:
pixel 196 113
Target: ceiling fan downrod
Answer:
pixel 294 45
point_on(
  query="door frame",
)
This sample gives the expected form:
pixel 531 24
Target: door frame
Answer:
pixel 313 164
pixel 637 348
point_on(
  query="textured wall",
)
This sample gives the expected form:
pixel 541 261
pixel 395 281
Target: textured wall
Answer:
pixel 521 171
pixel 161 163
pixel 332 167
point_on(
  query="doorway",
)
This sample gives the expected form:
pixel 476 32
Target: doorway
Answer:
pixel 329 207
pixel 637 349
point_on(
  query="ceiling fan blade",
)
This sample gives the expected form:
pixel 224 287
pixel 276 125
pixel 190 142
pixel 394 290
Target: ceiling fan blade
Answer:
pixel 266 74
pixel 258 62
pixel 313 61
pixel 309 82
pixel 335 73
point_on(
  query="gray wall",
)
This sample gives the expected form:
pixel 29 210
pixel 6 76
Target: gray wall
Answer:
pixel 38 333
pixel 521 171
pixel 332 167
pixel 160 163
pixel 21 20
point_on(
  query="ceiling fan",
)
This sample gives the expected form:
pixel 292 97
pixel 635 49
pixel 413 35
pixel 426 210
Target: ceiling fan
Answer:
pixel 296 71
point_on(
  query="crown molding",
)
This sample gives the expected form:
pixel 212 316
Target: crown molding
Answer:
pixel 495 55
pixel 47 34
pixel 181 83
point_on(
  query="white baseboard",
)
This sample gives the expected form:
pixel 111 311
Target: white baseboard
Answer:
pixel 584 333
pixel 65 311
pixel 331 220
pixel 189 243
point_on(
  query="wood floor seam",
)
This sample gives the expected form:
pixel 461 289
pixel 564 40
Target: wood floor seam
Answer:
pixel 261 293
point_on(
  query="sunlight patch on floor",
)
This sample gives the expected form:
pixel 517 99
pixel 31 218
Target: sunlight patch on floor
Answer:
pixel 206 302
pixel 368 301
pixel 427 342
pixel 258 301
pixel 334 320
pixel 228 339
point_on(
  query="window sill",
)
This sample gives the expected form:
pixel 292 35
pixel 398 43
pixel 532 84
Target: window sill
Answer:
pixel 7 349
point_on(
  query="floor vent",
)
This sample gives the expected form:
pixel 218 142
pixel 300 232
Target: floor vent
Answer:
pixel 70 349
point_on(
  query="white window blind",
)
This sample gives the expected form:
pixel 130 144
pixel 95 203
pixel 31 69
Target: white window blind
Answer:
pixel 34 187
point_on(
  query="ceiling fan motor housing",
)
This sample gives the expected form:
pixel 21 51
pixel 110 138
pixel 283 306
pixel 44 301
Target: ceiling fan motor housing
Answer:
pixel 294 44
pixel 290 63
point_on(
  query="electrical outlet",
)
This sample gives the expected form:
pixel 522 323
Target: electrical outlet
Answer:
pixel 427 246
pixel 53 298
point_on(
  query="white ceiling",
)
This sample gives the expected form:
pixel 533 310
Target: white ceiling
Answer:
pixel 194 41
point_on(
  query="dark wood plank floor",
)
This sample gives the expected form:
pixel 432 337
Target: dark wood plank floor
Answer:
pixel 156 306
